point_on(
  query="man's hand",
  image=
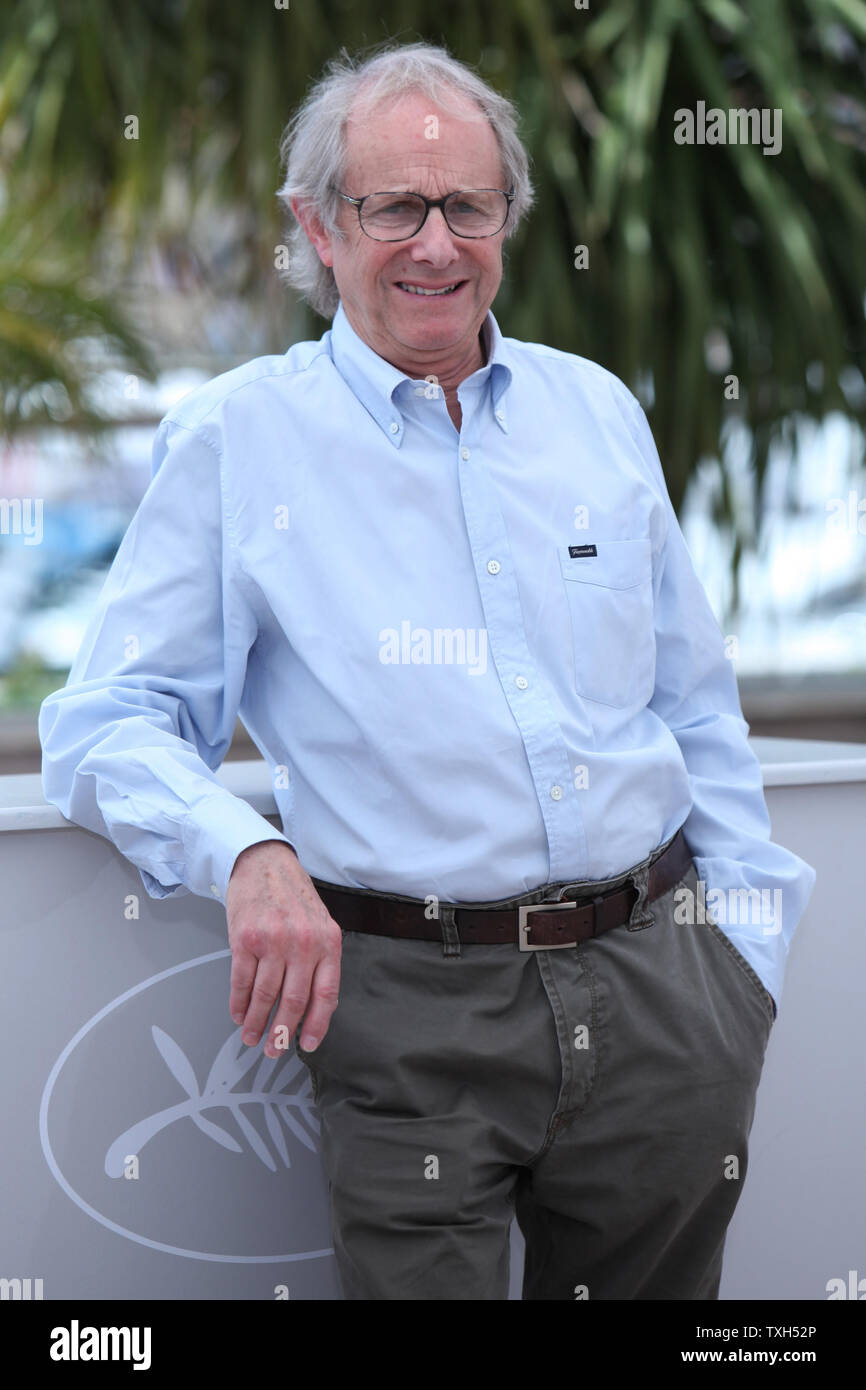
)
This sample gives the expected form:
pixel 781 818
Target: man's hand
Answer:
pixel 285 946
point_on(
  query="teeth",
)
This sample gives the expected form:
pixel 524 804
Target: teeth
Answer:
pixel 416 289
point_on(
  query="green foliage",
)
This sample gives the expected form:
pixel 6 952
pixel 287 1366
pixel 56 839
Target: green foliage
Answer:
pixel 56 328
pixel 27 683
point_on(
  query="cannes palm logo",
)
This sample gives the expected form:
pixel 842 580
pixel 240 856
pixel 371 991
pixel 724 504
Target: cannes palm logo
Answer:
pixel 171 1132
pixel 228 1087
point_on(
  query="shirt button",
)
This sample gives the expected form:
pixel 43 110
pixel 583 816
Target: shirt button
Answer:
pixel 464 453
pixel 215 890
pixel 521 682
pixel 394 427
pixel 493 567
pixel 500 415
pixel 556 792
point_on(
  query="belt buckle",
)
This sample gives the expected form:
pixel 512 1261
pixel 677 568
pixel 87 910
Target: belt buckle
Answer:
pixel 524 944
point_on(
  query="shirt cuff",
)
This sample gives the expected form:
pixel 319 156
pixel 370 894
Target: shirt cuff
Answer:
pixel 217 831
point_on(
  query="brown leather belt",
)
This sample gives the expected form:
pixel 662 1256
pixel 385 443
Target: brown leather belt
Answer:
pixel 533 927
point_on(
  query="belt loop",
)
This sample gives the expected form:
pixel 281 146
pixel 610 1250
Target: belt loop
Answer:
pixel 450 939
pixel 641 916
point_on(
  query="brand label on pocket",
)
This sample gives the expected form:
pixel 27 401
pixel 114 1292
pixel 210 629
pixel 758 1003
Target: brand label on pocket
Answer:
pixel 575 551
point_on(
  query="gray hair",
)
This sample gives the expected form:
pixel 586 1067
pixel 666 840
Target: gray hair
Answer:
pixel 313 145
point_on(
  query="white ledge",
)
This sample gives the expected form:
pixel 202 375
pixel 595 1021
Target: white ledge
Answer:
pixel 785 762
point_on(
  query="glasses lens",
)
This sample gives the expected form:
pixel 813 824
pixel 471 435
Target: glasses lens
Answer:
pixel 480 212
pixel 392 216
pixel 397 216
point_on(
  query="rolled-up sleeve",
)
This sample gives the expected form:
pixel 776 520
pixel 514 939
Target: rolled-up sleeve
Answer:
pixel 728 828
pixel 131 743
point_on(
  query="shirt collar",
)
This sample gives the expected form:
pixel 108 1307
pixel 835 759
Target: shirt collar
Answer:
pixel 374 381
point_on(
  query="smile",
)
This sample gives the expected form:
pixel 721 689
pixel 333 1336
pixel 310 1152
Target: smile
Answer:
pixel 419 289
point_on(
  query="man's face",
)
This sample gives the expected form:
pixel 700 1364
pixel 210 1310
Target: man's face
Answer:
pixel 389 149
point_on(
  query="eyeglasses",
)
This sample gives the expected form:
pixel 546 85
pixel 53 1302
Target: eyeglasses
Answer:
pixel 470 212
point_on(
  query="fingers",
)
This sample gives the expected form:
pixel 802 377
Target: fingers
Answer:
pixel 263 997
pixel 244 967
pixel 324 998
pixel 292 964
pixel 311 989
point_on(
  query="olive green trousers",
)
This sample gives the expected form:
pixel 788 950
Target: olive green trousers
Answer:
pixel 602 1094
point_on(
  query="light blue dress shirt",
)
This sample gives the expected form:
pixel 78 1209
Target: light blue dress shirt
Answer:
pixel 475 663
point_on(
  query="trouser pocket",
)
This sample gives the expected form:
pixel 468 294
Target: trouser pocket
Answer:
pixel 765 997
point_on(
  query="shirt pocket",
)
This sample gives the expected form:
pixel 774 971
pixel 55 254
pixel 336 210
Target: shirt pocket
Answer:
pixel 610 601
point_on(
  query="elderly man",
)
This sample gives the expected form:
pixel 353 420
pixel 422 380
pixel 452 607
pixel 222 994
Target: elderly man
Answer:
pixel 437 572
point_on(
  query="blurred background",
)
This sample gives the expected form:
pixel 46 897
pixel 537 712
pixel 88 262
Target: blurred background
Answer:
pixel 139 231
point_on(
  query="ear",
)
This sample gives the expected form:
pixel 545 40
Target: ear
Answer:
pixel 316 233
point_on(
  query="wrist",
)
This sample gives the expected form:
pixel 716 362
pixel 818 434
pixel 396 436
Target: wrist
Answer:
pixel 262 849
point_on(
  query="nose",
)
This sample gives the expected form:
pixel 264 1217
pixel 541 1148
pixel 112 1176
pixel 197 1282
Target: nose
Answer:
pixel 435 241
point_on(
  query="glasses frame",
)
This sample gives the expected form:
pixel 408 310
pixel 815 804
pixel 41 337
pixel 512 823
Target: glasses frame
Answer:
pixel 428 204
